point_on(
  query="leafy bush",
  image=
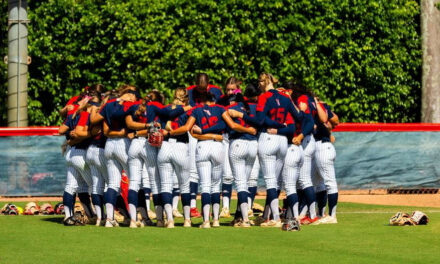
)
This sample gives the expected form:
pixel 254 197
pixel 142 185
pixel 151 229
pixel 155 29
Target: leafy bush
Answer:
pixel 363 57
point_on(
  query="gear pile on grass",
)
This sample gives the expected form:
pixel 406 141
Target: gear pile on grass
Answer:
pixel 32 208
pixel 403 219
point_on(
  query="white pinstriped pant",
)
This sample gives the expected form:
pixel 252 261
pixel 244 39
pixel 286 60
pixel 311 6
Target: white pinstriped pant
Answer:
pixel 116 155
pixel 97 163
pixel 210 158
pixel 136 160
pixel 173 159
pixel 79 179
pixel 176 180
pixel 193 174
pixel 242 154
pixel 271 152
pixel 228 178
pixel 253 179
pixel 152 169
pixel 292 164
pixel 305 174
pixel 324 174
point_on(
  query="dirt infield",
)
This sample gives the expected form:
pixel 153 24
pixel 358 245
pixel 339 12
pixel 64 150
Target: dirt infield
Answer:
pixel 377 197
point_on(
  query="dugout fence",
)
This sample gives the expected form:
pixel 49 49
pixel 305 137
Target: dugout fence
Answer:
pixel 369 156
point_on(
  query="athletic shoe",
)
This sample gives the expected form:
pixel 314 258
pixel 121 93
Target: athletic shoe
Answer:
pixel 177 214
pixel 111 223
pixel 93 220
pixel 134 224
pixel 126 222
pixel 151 214
pixel 170 224
pixel 69 221
pixel 205 224
pixel 225 213
pixel 250 213
pixel 308 221
pixel 160 223
pixel 260 220
pixel 242 224
pixel 187 223
pixel 215 223
pixel 195 213
pixel 272 223
pixel 252 222
pixel 147 222
pixel 328 220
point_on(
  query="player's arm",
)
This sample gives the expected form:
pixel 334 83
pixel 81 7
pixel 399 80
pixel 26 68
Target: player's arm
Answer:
pixel 82 132
pixel 322 114
pixel 170 113
pixel 334 120
pixel 237 127
pixel 113 134
pixel 95 115
pixel 287 131
pixel 208 136
pixel 63 129
pixel 185 128
pixel 133 125
pixel 65 109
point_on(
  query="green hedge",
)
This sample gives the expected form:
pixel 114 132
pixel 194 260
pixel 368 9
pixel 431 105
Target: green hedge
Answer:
pixel 363 57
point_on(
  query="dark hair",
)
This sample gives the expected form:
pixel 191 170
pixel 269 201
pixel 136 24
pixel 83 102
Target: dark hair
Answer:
pixel 239 98
pixel 252 91
pixel 96 88
pixel 155 96
pixel 203 96
pixel 202 81
pixel 298 89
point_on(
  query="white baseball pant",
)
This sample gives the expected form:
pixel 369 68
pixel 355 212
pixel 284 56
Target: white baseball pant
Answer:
pixel 292 164
pixel 305 175
pixel 228 178
pixel 97 163
pixel 115 153
pixel 255 173
pixel 242 154
pixel 325 156
pixel 77 159
pixel 209 159
pixel 173 159
pixel 271 153
pixel 192 145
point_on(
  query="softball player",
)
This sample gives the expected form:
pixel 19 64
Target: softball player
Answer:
pixel 113 116
pixel 325 177
pixel 146 112
pixel 208 119
pixel 202 85
pixel 173 158
pixel 273 106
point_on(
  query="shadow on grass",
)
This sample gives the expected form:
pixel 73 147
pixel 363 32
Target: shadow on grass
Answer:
pixel 58 220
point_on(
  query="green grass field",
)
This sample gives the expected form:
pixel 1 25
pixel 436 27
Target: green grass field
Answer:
pixel 362 236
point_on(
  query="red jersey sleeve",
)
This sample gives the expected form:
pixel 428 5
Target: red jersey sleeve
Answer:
pixel 83 118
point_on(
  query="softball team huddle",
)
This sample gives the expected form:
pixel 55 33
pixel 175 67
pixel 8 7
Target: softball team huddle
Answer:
pixel 210 139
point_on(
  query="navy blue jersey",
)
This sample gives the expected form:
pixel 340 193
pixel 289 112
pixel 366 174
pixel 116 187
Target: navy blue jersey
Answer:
pixel 72 123
pixel 311 108
pixel 100 139
pixel 114 114
pixel 154 112
pixel 178 122
pixel 214 90
pixel 275 106
pixel 241 108
pixel 322 132
pixel 209 116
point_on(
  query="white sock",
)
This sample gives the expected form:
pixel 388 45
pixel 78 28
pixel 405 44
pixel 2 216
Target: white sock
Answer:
pixel 215 211
pixel 143 212
pixel 110 211
pixel 275 210
pixel 175 202
pixel 98 211
pixel 132 211
pixel 226 202
pixel 249 203
pixel 67 212
pixel 304 211
pixel 295 210
pixel 193 203
pixel 187 212
pixel 159 212
pixel 147 201
pixel 206 210
pixel 333 212
pixel 312 210
pixel 169 212
pixel 244 211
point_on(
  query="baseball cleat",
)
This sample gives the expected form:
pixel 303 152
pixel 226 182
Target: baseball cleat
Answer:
pixel 187 223
pixel 242 224
pixel 134 224
pixel 215 223
pixel 170 224
pixel 308 221
pixel 195 213
pixel 205 224
pixel 225 213
pixel 151 214
pixel 160 223
pixel 250 213
pixel 177 214
pixel 111 223
pixel 272 223
pixel 328 220
pixel 260 220
pixel 69 221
